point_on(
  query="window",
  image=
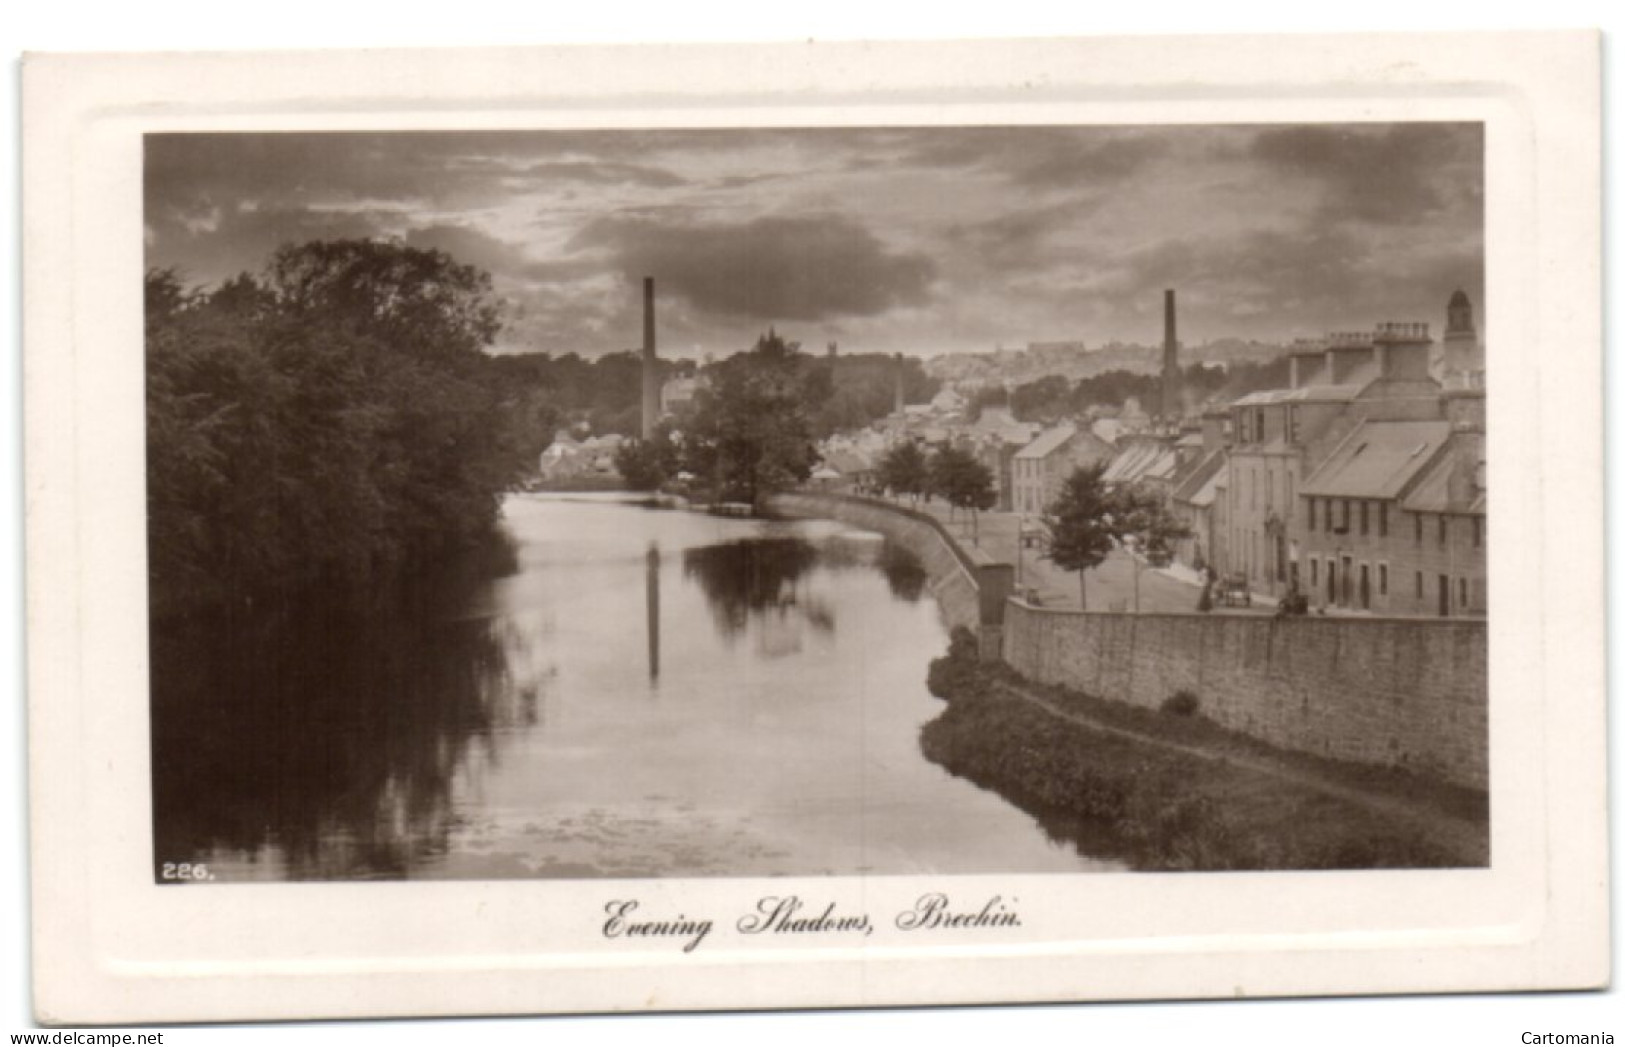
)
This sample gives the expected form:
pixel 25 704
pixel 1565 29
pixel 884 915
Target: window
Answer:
pixel 1314 572
pixel 1461 593
pixel 1365 517
pixel 1311 502
pixel 1292 423
pixel 1382 579
pixel 1444 529
pixel 1382 520
pixel 1343 527
pixel 1419 581
pixel 1417 517
pixel 1478 532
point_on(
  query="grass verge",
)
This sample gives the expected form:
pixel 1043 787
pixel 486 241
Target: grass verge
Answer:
pixel 1157 809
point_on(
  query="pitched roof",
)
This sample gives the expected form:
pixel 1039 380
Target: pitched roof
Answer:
pixel 1200 478
pixel 1432 494
pixel 847 462
pixel 1378 460
pixel 1048 442
pixel 1142 460
pixel 1304 394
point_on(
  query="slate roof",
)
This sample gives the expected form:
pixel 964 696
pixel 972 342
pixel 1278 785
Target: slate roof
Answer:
pixel 1431 494
pixel 1202 478
pixel 1378 460
pixel 1306 394
pixel 1143 459
pixel 1048 442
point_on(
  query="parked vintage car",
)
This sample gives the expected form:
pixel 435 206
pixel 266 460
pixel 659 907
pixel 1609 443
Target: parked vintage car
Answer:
pixel 1231 591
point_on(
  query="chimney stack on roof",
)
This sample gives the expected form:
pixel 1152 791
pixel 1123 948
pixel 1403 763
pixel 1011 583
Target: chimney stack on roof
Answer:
pixel 1402 350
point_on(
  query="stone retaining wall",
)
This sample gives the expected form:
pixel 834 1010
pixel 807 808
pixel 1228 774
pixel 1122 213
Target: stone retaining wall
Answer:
pixel 1406 693
pixel 952 571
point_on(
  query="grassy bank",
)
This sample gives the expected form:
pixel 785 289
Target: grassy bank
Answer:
pixel 1236 804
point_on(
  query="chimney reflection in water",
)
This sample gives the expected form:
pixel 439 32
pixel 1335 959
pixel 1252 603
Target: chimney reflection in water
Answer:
pixel 652 587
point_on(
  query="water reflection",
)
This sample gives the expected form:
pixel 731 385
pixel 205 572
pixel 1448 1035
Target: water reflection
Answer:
pixel 758 578
pixel 329 738
pixel 506 730
pixel 651 589
pixel 903 572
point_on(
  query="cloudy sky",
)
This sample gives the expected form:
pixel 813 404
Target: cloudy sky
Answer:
pixel 916 240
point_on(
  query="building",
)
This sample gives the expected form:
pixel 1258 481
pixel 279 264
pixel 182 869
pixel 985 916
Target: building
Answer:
pixel 1394 521
pixel 1039 469
pixel 1282 435
pixel 677 395
pixel 1362 484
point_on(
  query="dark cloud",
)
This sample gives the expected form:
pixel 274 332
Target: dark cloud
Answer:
pixel 500 258
pixel 1393 173
pixel 210 243
pixel 1309 282
pixel 1043 157
pixel 604 173
pixel 805 268
pixel 1021 236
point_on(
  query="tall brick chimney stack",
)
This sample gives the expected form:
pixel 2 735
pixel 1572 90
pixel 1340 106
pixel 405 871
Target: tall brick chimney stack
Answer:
pixel 1171 408
pixel 651 378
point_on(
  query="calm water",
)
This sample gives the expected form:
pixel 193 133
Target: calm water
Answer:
pixel 649 694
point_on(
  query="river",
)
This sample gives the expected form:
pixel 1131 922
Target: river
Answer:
pixel 648 693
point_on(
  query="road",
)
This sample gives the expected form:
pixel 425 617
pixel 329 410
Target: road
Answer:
pixel 1111 586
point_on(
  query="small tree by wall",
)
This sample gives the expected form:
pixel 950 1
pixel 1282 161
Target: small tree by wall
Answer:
pixel 1081 525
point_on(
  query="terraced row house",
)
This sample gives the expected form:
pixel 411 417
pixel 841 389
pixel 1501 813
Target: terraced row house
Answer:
pixel 1362 484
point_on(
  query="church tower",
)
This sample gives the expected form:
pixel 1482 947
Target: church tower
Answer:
pixel 1462 365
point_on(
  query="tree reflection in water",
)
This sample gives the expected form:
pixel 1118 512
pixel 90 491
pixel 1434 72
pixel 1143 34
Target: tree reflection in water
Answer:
pixel 759 578
pixel 903 572
pixel 326 738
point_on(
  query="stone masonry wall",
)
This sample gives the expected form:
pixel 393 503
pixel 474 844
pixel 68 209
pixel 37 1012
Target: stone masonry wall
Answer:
pixel 952 582
pixel 1399 693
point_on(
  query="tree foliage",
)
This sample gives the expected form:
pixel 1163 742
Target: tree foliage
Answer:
pixel 646 465
pixel 1090 518
pixel 326 421
pixel 962 480
pixel 1081 524
pixel 750 433
pixel 903 470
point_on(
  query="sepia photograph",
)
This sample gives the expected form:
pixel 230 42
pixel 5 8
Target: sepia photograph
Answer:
pixel 733 528
pixel 816 501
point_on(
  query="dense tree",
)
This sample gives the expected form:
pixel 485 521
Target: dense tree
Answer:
pixel 862 388
pixel 1044 400
pixel 329 421
pixel 988 396
pixel 750 434
pixel 1141 521
pixel 1081 525
pixel 904 470
pixel 964 482
pixel 646 465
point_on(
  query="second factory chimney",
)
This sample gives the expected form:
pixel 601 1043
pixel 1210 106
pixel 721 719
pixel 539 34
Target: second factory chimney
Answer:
pixel 651 377
pixel 1170 360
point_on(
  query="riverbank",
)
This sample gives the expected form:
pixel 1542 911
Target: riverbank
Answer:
pixel 1164 791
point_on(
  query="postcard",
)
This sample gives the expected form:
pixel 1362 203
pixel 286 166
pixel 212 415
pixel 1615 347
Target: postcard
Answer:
pixel 691 528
